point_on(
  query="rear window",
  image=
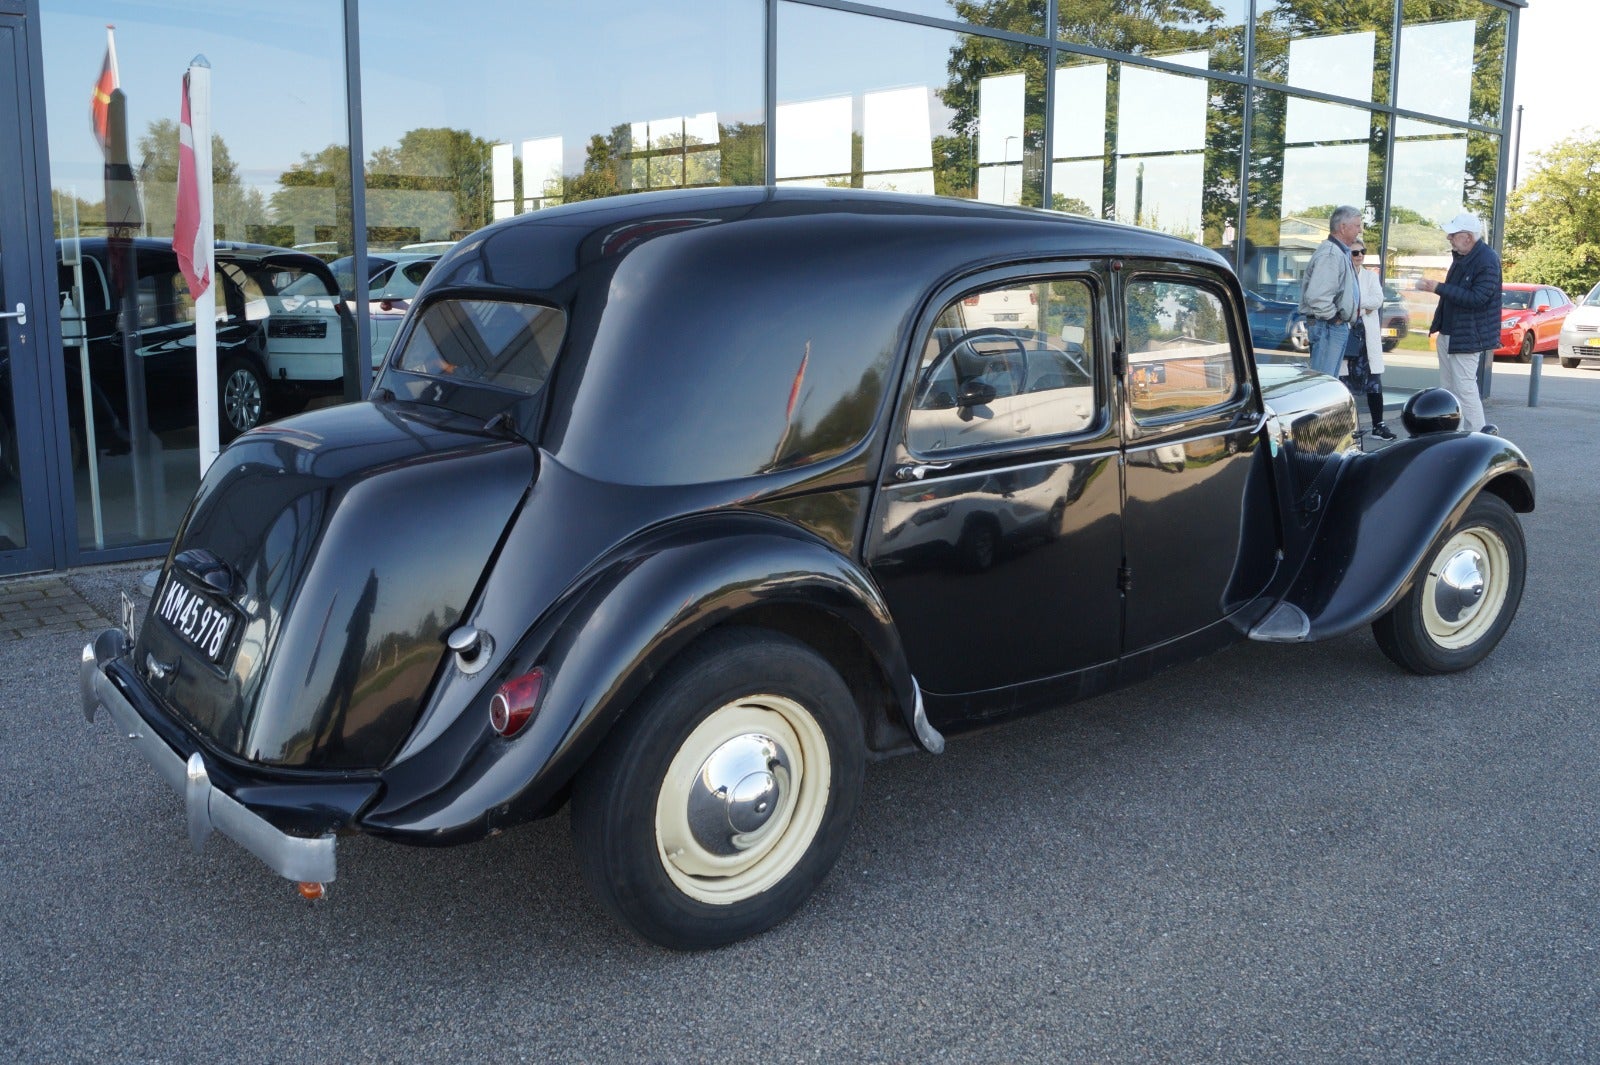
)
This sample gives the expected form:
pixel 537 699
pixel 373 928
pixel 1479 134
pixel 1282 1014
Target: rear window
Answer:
pixel 507 345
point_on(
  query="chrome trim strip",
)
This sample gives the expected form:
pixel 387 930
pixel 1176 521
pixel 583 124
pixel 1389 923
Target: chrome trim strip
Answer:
pixel 930 738
pixel 208 809
pixel 990 471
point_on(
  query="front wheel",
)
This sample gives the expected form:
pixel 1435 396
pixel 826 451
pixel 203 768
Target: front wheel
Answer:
pixel 1570 364
pixel 724 797
pixel 1465 597
pixel 1525 352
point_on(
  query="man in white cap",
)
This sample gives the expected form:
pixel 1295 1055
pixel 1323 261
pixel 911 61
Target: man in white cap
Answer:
pixel 1467 319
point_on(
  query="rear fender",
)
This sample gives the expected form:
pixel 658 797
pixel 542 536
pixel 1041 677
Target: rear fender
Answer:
pixel 1385 512
pixel 601 646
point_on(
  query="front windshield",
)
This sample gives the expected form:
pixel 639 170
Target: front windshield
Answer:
pixel 1593 298
pixel 1514 299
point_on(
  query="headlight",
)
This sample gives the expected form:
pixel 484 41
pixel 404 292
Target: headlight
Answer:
pixel 1511 323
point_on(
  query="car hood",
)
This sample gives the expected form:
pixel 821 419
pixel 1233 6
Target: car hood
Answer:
pixel 345 543
pixel 1586 316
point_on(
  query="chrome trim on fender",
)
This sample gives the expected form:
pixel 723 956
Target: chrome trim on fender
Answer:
pixel 208 809
pixel 931 739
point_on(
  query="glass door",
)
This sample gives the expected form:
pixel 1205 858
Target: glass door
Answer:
pixel 24 503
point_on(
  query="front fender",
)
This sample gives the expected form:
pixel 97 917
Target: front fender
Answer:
pixel 604 642
pixel 1386 510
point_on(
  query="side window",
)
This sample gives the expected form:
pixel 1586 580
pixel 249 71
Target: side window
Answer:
pixel 1180 358
pixel 1007 363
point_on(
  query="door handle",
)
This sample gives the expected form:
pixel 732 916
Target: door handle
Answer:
pixel 20 314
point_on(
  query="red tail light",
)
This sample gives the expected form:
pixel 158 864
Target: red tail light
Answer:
pixel 970 301
pixel 514 705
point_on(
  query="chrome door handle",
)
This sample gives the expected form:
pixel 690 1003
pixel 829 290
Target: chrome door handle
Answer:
pixel 919 471
pixel 20 314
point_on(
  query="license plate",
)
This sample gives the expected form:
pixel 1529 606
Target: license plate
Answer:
pixel 197 618
pixel 1391 332
pixel 1592 342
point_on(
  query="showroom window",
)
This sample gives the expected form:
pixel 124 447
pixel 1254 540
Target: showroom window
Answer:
pixel 1148 147
pixel 1306 158
pixel 1452 59
pixel 1207 36
pixel 584 101
pixel 1338 49
pixel 872 103
pixel 279 147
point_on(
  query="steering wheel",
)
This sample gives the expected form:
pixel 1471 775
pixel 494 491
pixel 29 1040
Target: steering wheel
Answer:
pixel 1018 367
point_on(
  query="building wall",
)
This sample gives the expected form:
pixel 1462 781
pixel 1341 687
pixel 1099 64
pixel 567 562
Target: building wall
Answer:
pixel 1235 123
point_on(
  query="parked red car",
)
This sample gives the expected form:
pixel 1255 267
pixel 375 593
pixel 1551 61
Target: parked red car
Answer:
pixel 1530 319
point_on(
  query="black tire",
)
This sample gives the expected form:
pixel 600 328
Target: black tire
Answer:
pixel 739 698
pixel 1525 352
pixel 1570 364
pixel 1439 626
pixel 241 397
pixel 1390 345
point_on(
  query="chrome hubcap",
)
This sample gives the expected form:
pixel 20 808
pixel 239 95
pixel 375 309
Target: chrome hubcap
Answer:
pixel 736 793
pixel 743 799
pixel 1466 588
pixel 1459 591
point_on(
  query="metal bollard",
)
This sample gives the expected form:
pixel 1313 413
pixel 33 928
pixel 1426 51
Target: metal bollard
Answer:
pixel 1533 379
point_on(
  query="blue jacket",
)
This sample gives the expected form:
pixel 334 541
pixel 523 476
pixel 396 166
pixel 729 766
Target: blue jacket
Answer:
pixel 1469 302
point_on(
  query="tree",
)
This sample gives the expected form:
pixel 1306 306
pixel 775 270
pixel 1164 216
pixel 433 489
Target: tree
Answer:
pixel 1553 218
pixel 312 203
pixel 238 211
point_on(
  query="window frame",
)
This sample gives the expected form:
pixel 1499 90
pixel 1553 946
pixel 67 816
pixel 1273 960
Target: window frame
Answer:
pixel 1201 421
pixel 1092 273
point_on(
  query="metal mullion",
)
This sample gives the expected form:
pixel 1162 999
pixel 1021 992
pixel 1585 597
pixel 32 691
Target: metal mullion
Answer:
pixel 362 360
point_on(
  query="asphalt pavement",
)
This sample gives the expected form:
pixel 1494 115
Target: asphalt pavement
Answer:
pixel 1280 854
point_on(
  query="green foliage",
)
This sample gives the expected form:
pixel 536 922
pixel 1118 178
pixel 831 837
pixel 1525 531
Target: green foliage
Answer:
pixel 237 210
pixel 1553 218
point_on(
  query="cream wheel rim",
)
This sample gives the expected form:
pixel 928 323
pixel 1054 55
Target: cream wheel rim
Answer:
pixel 1466 588
pixel 743 799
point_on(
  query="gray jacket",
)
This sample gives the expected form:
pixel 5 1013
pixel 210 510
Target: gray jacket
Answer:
pixel 1328 289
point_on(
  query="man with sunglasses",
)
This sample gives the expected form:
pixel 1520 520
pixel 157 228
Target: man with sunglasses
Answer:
pixel 1329 291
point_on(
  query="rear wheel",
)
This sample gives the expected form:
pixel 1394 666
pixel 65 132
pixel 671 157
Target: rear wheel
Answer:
pixel 723 798
pixel 1525 353
pixel 240 397
pixel 1463 600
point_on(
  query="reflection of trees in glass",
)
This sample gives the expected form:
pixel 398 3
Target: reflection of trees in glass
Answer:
pixel 1280 23
pixel 239 211
pixel 972 59
pixel 1553 218
pixel 1149 27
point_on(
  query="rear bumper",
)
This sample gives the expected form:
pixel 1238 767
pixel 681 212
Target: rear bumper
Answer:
pixel 209 809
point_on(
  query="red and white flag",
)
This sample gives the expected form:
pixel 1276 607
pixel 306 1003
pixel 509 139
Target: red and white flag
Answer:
pixel 191 230
pixel 104 86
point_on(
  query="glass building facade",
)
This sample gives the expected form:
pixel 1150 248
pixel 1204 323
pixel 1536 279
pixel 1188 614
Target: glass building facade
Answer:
pixel 369 135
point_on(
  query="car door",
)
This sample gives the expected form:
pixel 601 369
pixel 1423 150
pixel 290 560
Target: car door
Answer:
pixel 996 537
pixel 1199 539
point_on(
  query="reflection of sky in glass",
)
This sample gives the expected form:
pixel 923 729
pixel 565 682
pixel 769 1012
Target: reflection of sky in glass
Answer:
pixel 1160 112
pixel 1436 68
pixel 1170 187
pixel 1309 120
pixel 1323 175
pixel 1339 64
pixel 276 90
pixel 1429 175
pixel 1080 116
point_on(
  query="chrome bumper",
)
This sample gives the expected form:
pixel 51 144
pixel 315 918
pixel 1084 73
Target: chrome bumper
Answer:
pixel 294 857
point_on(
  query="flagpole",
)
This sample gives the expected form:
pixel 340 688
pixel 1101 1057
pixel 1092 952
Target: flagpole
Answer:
pixel 205 316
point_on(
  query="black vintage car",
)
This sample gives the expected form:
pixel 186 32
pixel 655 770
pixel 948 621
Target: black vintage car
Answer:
pixel 682 507
pixel 257 325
